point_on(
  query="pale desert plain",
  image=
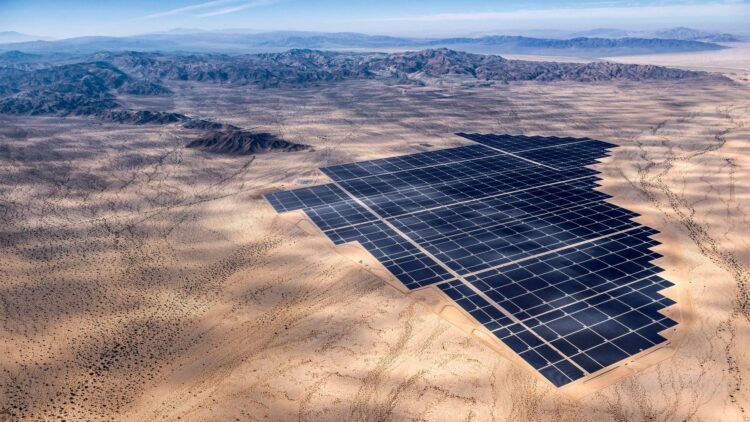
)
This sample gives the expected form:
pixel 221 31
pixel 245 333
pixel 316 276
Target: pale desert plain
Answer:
pixel 143 281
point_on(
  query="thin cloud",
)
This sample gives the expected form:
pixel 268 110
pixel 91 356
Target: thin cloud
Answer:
pixel 191 8
pixel 235 9
pixel 723 10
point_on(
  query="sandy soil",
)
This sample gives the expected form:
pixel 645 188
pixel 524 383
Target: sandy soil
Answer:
pixel 143 281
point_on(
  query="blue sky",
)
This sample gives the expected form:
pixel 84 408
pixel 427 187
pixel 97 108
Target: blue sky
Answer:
pixel 68 18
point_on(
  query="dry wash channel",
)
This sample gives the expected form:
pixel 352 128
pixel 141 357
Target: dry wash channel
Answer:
pixel 511 241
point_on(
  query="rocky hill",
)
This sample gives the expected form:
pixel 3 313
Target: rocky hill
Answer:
pixel 239 142
pixel 78 88
pixel 268 70
pixel 91 78
pixel 148 117
pixel 42 101
pixel 14 56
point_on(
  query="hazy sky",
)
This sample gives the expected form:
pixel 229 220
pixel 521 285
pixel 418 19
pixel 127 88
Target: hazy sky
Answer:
pixel 67 18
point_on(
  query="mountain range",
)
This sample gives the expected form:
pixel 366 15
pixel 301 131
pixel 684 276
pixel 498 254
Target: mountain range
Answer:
pixel 90 84
pixel 187 40
pixel 7 37
pixel 678 33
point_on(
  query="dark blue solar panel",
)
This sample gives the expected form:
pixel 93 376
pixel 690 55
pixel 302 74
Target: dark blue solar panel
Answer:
pixel 612 325
pixel 577 154
pixel 560 276
pixel 480 309
pixel 589 318
pixel 442 222
pixel 449 173
pixel 518 143
pixel 302 198
pixel 416 199
pixel 411 266
pixel 328 206
pixel 553 281
pixel 342 172
pixel 339 214
pixel 529 346
pixel 580 301
pixel 515 239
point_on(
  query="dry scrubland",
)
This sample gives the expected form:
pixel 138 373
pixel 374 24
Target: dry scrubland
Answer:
pixel 143 281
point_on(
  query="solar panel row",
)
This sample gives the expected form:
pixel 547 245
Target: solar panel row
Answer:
pixel 410 265
pixel 405 162
pixel 582 298
pixel 339 214
pixel 414 199
pixel 568 156
pixel 514 239
pixel 302 198
pixel 439 174
pixel 467 216
pixel 344 220
pixel 545 359
pixel 607 328
pixel 560 276
pixel 537 286
pixel 559 153
pixel 589 334
pixel 519 143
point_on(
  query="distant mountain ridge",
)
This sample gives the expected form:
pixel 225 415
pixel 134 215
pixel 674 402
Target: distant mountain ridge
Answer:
pixel 575 46
pixel 14 37
pixel 682 33
pixel 678 33
pixel 251 42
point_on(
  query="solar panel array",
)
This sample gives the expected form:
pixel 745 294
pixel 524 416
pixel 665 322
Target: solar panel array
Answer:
pixel 514 231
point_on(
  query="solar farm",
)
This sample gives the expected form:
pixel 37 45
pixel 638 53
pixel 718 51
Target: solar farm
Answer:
pixel 512 231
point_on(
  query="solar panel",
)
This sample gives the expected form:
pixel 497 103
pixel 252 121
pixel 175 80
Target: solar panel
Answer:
pixel 518 143
pixel 540 285
pixel 410 265
pixel 608 327
pixel 411 200
pixel 545 359
pixel 339 214
pixel 572 155
pixel 597 303
pixel 516 233
pixel 327 205
pixel 302 198
pixel 445 221
pixel 490 316
pixel 479 249
pixel 440 174
pixel 405 162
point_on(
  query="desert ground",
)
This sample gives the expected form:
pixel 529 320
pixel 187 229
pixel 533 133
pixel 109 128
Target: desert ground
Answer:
pixel 732 61
pixel 140 280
